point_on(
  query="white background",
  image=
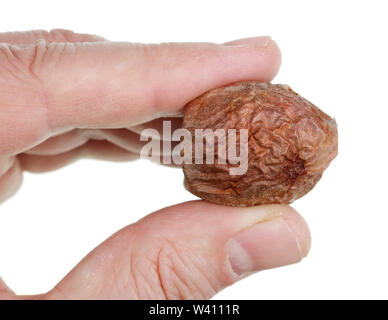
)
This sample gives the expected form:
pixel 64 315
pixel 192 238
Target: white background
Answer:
pixel 334 53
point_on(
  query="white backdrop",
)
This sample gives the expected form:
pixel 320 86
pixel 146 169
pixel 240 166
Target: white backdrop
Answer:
pixel 334 54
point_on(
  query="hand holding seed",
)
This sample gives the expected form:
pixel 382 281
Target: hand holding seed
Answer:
pixel 65 96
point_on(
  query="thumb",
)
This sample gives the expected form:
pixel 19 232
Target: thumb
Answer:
pixel 188 251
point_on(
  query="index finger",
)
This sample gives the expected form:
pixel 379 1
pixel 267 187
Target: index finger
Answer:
pixel 49 88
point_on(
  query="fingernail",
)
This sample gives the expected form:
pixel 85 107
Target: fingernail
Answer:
pixel 266 245
pixel 262 41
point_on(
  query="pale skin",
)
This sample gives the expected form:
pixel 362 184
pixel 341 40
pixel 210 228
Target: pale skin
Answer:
pixel 64 96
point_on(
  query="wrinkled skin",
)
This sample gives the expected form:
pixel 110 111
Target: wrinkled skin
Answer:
pixel 290 143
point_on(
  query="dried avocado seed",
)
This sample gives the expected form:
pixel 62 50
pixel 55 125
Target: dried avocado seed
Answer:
pixel 290 142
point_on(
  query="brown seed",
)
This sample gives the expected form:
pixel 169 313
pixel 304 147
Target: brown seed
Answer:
pixel 290 143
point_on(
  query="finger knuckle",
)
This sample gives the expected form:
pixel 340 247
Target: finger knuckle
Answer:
pixel 27 88
pixel 21 74
pixel 34 60
pixel 174 272
pixel 15 64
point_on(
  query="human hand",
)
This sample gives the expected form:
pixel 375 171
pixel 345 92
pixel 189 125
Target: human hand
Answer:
pixel 64 96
